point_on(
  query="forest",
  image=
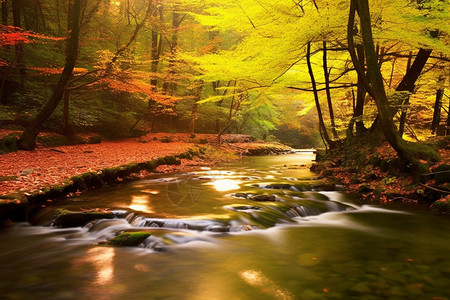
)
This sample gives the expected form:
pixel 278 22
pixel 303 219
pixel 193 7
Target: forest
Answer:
pixel 212 149
pixel 309 74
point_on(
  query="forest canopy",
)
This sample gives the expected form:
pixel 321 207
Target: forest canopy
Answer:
pixel 299 72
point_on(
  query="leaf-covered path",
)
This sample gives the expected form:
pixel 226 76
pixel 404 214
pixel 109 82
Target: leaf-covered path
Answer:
pixel 33 170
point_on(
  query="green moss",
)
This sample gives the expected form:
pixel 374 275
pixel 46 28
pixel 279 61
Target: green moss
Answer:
pixel 78 183
pixel 161 161
pixel 53 140
pixel 8 178
pixel 441 207
pixel 442 174
pixel 8 144
pixel 172 160
pixel 129 239
pixel 110 174
pixel 66 218
pixel 92 179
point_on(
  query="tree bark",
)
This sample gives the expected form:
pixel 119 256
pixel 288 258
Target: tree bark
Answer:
pixel 4 12
pixel 17 22
pixel 197 97
pixel 409 154
pixel 360 95
pixel 316 96
pixel 27 140
pixel 327 89
pixel 437 111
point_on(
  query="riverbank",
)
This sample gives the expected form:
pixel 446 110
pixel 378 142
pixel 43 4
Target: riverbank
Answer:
pixel 377 176
pixel 32 178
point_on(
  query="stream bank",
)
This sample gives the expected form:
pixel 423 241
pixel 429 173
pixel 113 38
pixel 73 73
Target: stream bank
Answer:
pixel 30 180
pixel 377 175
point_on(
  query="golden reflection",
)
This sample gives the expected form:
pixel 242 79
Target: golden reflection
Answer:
pixel 140 203
pixel 223 185
pixel 153 192
pixel 258 279
pixel 102 259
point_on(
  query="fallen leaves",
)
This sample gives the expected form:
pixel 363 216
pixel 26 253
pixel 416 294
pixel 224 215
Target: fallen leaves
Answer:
pixel 41 168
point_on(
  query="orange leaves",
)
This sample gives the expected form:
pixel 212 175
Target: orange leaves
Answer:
pixel 10 36
pixel 55 71
pixel 139 86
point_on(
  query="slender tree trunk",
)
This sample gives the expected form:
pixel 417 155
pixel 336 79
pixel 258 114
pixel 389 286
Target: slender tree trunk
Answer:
pixel 437 111
pixel 447 127
pixel 360 95
pixel 408 154
pixel 27 140
pixel 326 73
pixel 4 12
pixel 410 78
pixel 169 85
pixel 197 97
pixel 66 129
pixel 316 96
pixel 155 56
pixel 17 21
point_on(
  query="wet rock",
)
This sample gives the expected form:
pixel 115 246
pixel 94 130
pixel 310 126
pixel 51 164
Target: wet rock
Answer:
pixel 243 195
pixel 441 207
pixel 129 239
pixel 66 218
pixel 264 198
pixel 364 189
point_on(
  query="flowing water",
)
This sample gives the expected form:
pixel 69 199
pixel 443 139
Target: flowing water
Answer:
pixel 259 228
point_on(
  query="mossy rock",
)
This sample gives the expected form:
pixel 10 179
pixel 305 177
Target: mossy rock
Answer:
pixel 442 174
pixel 92 179
pixel 264 198
pixel 66 218
pixel 8 144
pixel 110 174
pixel 364 189
pixel 165 139
pixel 441 207
pixel 53 140
pixel 128 239
pixel 96 139
pixel 172 160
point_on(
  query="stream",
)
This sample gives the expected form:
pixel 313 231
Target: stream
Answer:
pixel 258 228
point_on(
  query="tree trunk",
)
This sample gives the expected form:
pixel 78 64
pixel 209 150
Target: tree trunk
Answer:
pixel 169 85
pixel 197 97
pixel 17 22
pixel 27 140
pixel 409 154
pixel 326 73
pixel 360 95
pixel 447 127
pixel 316 96
pixel 437 111
pixel 4 12
pixel 67 129
pixel 155 56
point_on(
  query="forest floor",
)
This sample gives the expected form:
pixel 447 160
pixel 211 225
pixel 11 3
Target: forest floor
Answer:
pixel 25 172
pixel 376 175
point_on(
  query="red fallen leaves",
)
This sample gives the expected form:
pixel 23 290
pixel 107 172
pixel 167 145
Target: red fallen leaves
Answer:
pixel 46 168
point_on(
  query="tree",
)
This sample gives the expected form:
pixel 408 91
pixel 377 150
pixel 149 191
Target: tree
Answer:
pixel 27 140
pixel 406 151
